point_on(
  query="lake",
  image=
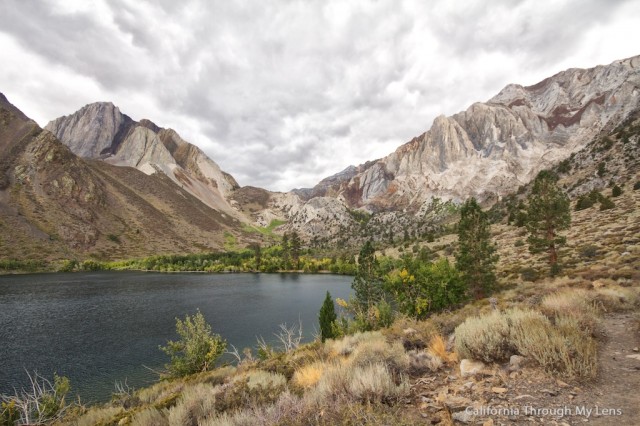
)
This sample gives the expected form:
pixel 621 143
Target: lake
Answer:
pixel 102 327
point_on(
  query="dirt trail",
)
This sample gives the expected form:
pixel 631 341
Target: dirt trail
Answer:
pixel 618 382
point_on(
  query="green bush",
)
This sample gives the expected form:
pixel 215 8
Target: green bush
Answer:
pixel 606 203
pixel 42 403
pixel 421 288
pixel 616 191
pixel 197 350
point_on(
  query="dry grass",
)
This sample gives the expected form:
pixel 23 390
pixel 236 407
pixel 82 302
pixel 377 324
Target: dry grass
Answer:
pixel 563 348
pixel 617 298
pixel 98 415
pixel 194 404
pixel 486 338
pixel 149 417
pixel 374 351
pixel 438 349
pixel 308 375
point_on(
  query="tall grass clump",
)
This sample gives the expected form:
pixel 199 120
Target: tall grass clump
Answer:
pixel 149 417
pixel 485 338
pixel 563 347
pixel 194 404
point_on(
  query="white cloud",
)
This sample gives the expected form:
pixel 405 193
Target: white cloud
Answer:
pixel 282 94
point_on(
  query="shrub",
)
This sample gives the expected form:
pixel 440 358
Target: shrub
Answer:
pixel 529 274
pixel 348 344
pixel 486 338
pixel 149 417
pixel 561 348
pixel 374 383
pixel 194 404
pixel 616 298
pixel 438 349
pixel 308 375
pixel 43 403
pixel 588 251
pixel 421 362
pixel 391 354
pixel 636 186
pixel 95 416
pixel 197 350
pixel 616 191
pixel 368 383
pixel 576 304
pixel 606 203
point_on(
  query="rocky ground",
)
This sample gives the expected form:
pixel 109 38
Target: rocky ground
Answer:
pixel 514 394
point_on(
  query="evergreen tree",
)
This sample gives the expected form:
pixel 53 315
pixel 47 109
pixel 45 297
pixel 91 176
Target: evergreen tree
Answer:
pixel 476 257
pixel 616 191
pixel 295 249
pixel 285 251
pixel 366 285
pixel 547 214
pixel 257 252
pixel 327 318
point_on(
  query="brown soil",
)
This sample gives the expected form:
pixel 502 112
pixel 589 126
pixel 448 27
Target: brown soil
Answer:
pixel 529 396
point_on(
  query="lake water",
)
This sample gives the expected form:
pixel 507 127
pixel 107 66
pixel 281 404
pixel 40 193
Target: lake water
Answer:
pixel 98 328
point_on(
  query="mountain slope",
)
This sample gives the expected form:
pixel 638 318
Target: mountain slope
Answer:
pixel 56 205
pixel 101 131
pixel 496 146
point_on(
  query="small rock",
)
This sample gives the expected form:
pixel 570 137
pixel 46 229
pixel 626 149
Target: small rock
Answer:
pixel 469 367
pixel 522 397
pixel 468 385
pixel 409 331
pixel 562 384
pixel 463 416
pixel 550 392
pixel 498 390
pixel 634 356
pixel 516 362
pixel 488 423
pixel 636 349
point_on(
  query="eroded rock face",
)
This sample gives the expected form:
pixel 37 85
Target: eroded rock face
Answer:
pixel 100 131
pixel 91 131
pixel 496 146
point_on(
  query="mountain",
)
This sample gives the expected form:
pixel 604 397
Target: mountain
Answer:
pixel 486 151
pixel 496 146
pixel 54 204
pixel 101 131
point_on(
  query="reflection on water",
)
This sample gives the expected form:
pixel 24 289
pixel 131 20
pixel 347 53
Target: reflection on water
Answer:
pixel 96 328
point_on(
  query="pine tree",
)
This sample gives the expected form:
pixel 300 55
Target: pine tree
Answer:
pixel 547 214
pixel 285 251
pixel 476 257
pixel 366 285
pixel 295 249
pixel 327 318
pixel 257 252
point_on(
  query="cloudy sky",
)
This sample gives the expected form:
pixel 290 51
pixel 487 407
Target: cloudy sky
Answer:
pixel 282 93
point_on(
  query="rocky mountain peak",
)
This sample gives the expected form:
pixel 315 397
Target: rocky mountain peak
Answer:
pixel 495 146
pixel 101 131
pixel 94 130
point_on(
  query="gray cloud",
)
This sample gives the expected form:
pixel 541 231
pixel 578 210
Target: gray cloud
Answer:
pixel 281 93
